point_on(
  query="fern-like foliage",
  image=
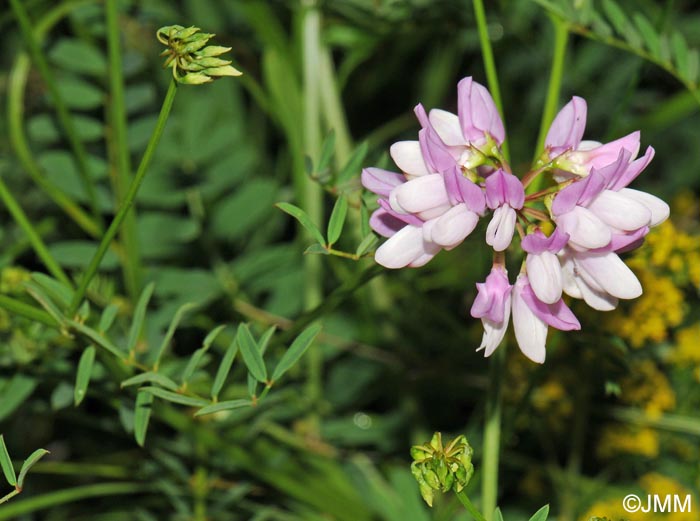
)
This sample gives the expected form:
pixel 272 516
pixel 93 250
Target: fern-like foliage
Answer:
pixel 607 22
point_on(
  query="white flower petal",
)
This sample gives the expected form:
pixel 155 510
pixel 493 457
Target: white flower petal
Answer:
pixel 494 331
pixel 584 228
pixel 408 157
pixel 544 273
pixel 499 232
pixel 434 213
pixel 447 126
pixel 611 273
pixel 596 299
pixel 530 331
pixel 568 276
pixel 454 226
pixel 620 211
pixel 658 208
pixel 402 248
pixel 420 194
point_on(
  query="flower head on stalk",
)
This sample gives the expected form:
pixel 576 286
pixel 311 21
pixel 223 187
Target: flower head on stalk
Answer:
pixel 442 468
pixel 193 61
pixel 455 172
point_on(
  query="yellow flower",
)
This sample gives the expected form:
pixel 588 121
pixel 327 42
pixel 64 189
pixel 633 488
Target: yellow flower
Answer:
pixel 660 307
pixel 687 348
pixel 648 387
pixel 662 486
pixel 616 439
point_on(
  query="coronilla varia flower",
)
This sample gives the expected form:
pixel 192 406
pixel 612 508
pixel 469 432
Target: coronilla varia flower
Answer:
pixel 193 61
pixel 571 233
pixel 442 468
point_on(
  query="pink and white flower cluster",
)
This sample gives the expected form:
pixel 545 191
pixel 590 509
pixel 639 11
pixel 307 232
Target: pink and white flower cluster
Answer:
pixel 455 174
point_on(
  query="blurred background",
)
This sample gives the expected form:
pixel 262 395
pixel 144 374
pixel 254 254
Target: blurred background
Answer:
pixel 613 411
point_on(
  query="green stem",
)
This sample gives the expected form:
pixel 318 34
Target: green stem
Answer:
pixel 34 238
pixel 62 111
pixel 578 441
pixel 20 308
pixel 128 199
pixel 15 112
pixel 492 433
pixel 489 63
pixel 119 150
pixel 462 496
pixel 333 111
pixel 60 497
pixel 311 194
pixel 551 104
pixel 9 496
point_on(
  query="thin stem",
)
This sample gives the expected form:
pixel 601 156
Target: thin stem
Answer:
pixel 119 150
pixel 534 212
pixel 20 308
pixel 15 114
pixel 34 238
pixel 64 116
pixel 462 496
pixel 492 433
pixel 9 496
pixel 489 64
pixel 312 195
pixel 561 38
pixel 69 495
pixel 128 199
pixel 578 439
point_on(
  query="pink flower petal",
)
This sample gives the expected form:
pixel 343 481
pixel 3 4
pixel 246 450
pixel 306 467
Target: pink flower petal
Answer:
pixel 408 157
pixel 381 182
pixel 499 232
pixel 477 111
pixel 568 126
pixel 447 126
pixel 454 226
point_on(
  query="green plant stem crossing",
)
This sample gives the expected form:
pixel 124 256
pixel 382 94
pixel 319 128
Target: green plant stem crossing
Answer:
pixel 128 199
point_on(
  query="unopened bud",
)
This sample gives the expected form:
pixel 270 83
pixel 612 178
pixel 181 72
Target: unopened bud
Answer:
pixel 193 62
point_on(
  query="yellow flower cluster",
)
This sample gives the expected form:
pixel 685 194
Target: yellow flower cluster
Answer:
pixel 687 347
pixel 618 438
pixel 648 387
pixel 668 263
pixel 650 316
pixel 652 483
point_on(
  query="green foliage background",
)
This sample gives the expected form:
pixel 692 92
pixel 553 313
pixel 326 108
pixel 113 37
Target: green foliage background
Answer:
pixel 395 360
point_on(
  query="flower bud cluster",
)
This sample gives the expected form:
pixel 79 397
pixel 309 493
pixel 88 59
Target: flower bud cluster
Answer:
pixel 456 173
pixel 438 468
pixel 193 62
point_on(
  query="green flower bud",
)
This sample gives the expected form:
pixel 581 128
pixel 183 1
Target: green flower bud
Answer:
pixel 419 452
pixel 223 71
pixel 436 441
pixel 183 33
pixel 212 50
pixel 194 78
pixel 431 478
pixel 442 468
pixel 427 493
pixel 191 60
pixel 448 481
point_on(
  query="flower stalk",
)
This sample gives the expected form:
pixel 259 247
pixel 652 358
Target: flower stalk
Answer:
pixel 492 432
pixel 118 149
pixel 489 62
pixel 310 193
pixel 64 116
pixel 128 200
pixel 561 38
